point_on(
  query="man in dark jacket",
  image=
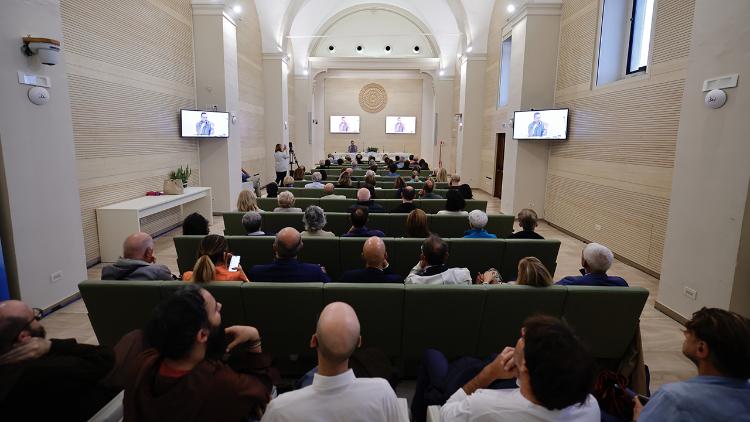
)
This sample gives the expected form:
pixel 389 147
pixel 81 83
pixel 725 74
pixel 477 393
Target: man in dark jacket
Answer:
pixel 44 379
pixel 427 191
pixel 359 218
pixel 527 219
pixel 285 267
pixel 596 259
pixel 407 206
pixel 137 261
pixel 377 269
pixel 363 199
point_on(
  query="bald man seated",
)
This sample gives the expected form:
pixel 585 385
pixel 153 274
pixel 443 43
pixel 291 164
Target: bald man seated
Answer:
pixel 285 268
pixel 455 181
pixel 137 261
pixel 336 394
pixel 363 199
pixel 330 190
pixel 377 269
pixel 53 380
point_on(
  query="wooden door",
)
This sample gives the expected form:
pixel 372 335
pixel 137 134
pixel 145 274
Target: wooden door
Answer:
pixel 499 158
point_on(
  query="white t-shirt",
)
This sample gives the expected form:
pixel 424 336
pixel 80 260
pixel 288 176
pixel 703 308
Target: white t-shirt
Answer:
pixel 342 398
pixel 511 405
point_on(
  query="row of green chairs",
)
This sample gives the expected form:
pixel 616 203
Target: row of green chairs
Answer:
pixel 429 206
pixel 381 182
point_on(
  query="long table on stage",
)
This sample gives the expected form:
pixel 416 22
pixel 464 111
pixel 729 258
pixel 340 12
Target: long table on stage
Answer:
pixel 378 155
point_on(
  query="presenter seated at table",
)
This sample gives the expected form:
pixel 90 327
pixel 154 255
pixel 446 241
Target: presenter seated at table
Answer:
pixel 285 268
pixel 376 269
pixel 213 258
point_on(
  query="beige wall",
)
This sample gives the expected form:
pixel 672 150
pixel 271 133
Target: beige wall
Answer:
pixel 619 179
pixel 342 98
pixel 125 97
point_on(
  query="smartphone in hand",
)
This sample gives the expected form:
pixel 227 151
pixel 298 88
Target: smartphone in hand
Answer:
pixel 234 263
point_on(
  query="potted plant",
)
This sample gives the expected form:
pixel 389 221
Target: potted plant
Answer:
pixel 372 149
pixel 181 174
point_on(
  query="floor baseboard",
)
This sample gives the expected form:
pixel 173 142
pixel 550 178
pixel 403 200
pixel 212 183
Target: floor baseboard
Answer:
pixel 666 310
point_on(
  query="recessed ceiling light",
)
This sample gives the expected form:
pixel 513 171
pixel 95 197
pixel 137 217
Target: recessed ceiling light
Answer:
pixel 511 8
pixel 441 73
pixel 237 9
pixel 305 72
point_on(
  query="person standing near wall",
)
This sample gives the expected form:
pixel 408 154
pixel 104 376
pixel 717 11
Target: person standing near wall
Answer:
pixel 282 162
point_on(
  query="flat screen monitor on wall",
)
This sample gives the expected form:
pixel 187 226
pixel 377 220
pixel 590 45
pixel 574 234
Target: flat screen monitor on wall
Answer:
pixel 344 124
pixel 204 124
pixel 401 124
pixel 541 124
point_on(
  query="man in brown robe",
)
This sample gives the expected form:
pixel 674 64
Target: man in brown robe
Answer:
pixel 178 381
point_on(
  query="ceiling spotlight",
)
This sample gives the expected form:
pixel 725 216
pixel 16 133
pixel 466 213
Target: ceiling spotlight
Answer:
pixel 468 50
pixel 511 8
pixel 441 73
pixel 305 72
pixel 237 9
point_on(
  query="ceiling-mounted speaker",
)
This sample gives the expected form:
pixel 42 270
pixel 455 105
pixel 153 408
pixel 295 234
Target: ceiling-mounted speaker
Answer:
pixel 331 49
pixel 360 49
pixel 415 50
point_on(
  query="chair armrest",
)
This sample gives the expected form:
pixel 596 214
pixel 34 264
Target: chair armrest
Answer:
pixel 403 410
pixel 433 413
pixel 111 412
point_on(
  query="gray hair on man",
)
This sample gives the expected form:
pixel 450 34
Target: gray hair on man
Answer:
pixel 598 257
pixel 317 177
pixel 370 173
pixel 314 218
pixel 403 158
pixel 478 219
pixel 251 221
pixel 329 188
pixel 363 195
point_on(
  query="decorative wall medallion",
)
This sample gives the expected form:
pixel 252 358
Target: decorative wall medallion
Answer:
pixel 373 98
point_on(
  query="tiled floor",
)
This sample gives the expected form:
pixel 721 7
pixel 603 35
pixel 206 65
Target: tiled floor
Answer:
pixel 662 338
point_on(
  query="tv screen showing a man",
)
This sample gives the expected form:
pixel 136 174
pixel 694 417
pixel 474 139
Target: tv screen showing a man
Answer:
pixel 541 124
pixel 401 125
pixel 344 124
pixel 204 124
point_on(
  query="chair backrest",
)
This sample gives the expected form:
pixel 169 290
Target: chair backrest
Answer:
pixel 275 221
pixel 516 249
pixel 322 251
pixel 350 252
pixel 406 255
pixel 233 223
pixel 478 255
pixel 311 192
pixel 225 292
pixel 252 250
pixel 187 250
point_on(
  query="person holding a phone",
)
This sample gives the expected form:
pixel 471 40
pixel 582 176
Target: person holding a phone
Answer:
pixel 215 263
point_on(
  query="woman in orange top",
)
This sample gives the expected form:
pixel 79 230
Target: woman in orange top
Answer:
pixel 213 256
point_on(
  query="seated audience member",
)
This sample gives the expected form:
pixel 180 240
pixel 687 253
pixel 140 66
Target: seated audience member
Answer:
pixel 299 173
pixel 340 161
pixel 427 191
pixel 465 191
pixel 527 219
pixel 376 269
pixel 531 272
pixel 363 199
pixel 330 190
pixel 370 173
pixel 455 181
pixel 344 180
pixel 423 165
pixel 178 379
pixel 596 259
pixel 359 216
pixel 414 177
pixel 348 159
pixel 316 179
pixel 401 163
pixel 323 175
pixel 441 175
pixel 397 159
pixel 552 368
pixel 718 343
pixel 336 394
pixel 327 164
pixel 371 185
pixel 416 224
pixel 196 224
pixel 272 190
pixel 315 220
pixel 351 172
pixel 399 183
pixel 252 222
pixel 393 171
pixel 454 204
pixel 286 203
pixel 407 206
pixel 359 159
pixel 285 268
pixel 430 268
pixel 213 259
pixel 247 201
pixel 288 182
pixel 411 161
pixel 137 262
pixel 374 167
pixel 321 163
pixel 48 380
pixel 477 221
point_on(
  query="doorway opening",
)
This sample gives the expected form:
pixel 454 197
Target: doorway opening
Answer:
pixel 499 158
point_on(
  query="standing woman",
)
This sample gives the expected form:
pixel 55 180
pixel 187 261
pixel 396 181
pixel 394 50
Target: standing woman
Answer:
pixel 282 163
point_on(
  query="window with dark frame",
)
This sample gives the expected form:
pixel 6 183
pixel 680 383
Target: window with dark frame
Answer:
pixel 641 22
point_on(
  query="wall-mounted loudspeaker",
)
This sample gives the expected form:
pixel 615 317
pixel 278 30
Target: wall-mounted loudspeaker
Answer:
pixel 331 49
pixel 415 50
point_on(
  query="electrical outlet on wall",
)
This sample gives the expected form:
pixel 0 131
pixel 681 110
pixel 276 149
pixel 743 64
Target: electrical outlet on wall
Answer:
pixel 55 277
pixel 692 294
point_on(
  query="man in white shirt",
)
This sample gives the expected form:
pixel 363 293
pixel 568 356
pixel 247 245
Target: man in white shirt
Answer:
pixel 556 375
pixel 336 394
pixel 330 192
pixel 430 268
pixel 316 179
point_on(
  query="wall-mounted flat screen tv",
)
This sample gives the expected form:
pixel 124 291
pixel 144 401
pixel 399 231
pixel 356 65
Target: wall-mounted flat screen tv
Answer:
pixel 401 124
pixel 204 124
pixel 541 124
pixel 344 124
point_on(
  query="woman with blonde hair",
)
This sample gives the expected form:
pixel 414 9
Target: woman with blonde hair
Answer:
pixel 286 203
pixel 247 201
pixel 442 175
pixel 213 259
pixel 416 224
pixel 399 184
pixel 531 272
pixel 288 182
pixel 345 181
pixel 281 159
pixel 414 177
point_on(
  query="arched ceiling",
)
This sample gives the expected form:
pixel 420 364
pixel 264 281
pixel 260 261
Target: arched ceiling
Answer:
pixel 453 23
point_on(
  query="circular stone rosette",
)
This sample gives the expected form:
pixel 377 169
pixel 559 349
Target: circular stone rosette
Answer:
pixel 373 98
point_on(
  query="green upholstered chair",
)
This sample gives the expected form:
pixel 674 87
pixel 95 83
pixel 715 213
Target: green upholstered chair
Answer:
pixel 397 225
pixel 606 318
pixel 268 204
pixel 380 221
pixel 187 251
pixel 337 222
pixel 117 307
pixel 405 173
pixel 275 221
pixel 517 249
pixel 350 252
pixel 500 225
pixel 253 250
pixel 441 185
pixel 348 192
pixel 321 251
pixel 478 255
pixel 379 308
pixel 390 204
pixel 429 323
pixel 294 191
pixel 388 193
pixel 311 192
pixel 406 255
pixel 475 204
pixel 233 223
pixel 507 306
pixel 431 206
pixel 225 292
pixel 285 314
pixel 449 225
pixel 336 205
pixel 303 203
pixel 385 183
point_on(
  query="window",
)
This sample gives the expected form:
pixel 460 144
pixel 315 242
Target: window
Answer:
pixel 640 35
pixel 502 97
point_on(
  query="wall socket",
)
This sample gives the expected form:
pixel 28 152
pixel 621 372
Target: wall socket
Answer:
pixel 690 293
pixel 598 227
pixel 531 205
pixel 55 277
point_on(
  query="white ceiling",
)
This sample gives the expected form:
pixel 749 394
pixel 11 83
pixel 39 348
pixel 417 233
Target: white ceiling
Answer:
pixel 301 19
